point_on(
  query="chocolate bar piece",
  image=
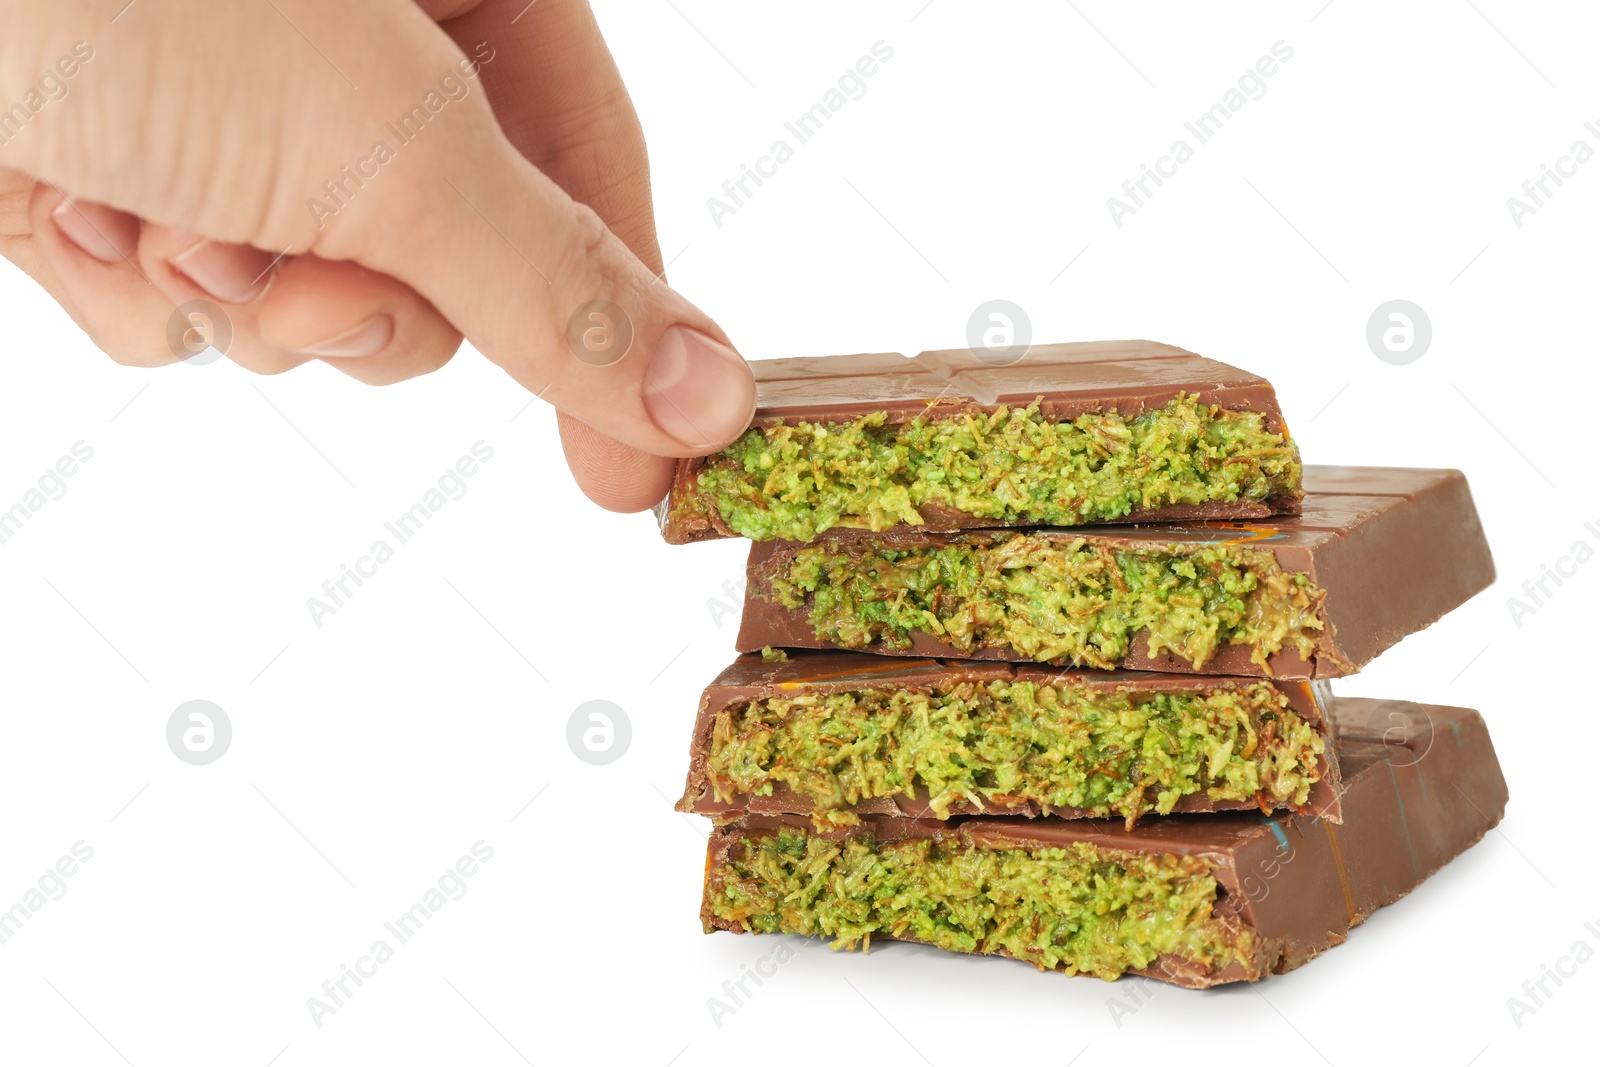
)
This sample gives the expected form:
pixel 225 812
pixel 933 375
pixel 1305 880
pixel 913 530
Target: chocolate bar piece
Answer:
pixel 1107 431
pixel 1376 554
pixel 840 735
pixel 1196 900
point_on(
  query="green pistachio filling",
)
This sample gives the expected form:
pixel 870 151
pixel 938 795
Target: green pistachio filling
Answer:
pixel 1055 600
pixel 1010 742
pixel 1081 908
pixel 1014 467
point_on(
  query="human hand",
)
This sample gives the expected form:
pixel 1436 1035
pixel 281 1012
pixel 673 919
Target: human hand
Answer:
pixel 363 182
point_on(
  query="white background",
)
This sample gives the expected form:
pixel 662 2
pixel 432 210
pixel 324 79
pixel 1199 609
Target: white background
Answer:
pixel 369 754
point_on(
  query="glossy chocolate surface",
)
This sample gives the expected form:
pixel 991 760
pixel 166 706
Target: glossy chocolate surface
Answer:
pixel 1128 377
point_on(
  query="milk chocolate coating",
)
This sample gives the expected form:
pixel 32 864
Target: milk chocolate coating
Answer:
pixel 823 673
pixel 1421 785
pixel 1128 377
pixel 1395 548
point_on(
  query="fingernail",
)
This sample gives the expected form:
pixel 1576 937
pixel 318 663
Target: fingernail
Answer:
pixel 698 390
pixel 229 272
pixel 368 339
pixel 103 232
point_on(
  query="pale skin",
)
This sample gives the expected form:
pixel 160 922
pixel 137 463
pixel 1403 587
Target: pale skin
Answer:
pixel 182 154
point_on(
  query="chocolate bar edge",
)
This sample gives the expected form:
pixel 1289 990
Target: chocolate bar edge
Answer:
pixel 750 678
pixel 1297 909
pixel 685 518
pixel 1428 541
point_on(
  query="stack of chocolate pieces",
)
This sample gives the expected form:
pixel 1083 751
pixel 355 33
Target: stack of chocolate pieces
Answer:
pixel 1035 665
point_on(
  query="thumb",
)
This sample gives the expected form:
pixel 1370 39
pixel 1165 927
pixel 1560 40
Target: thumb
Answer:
pixel 539 285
